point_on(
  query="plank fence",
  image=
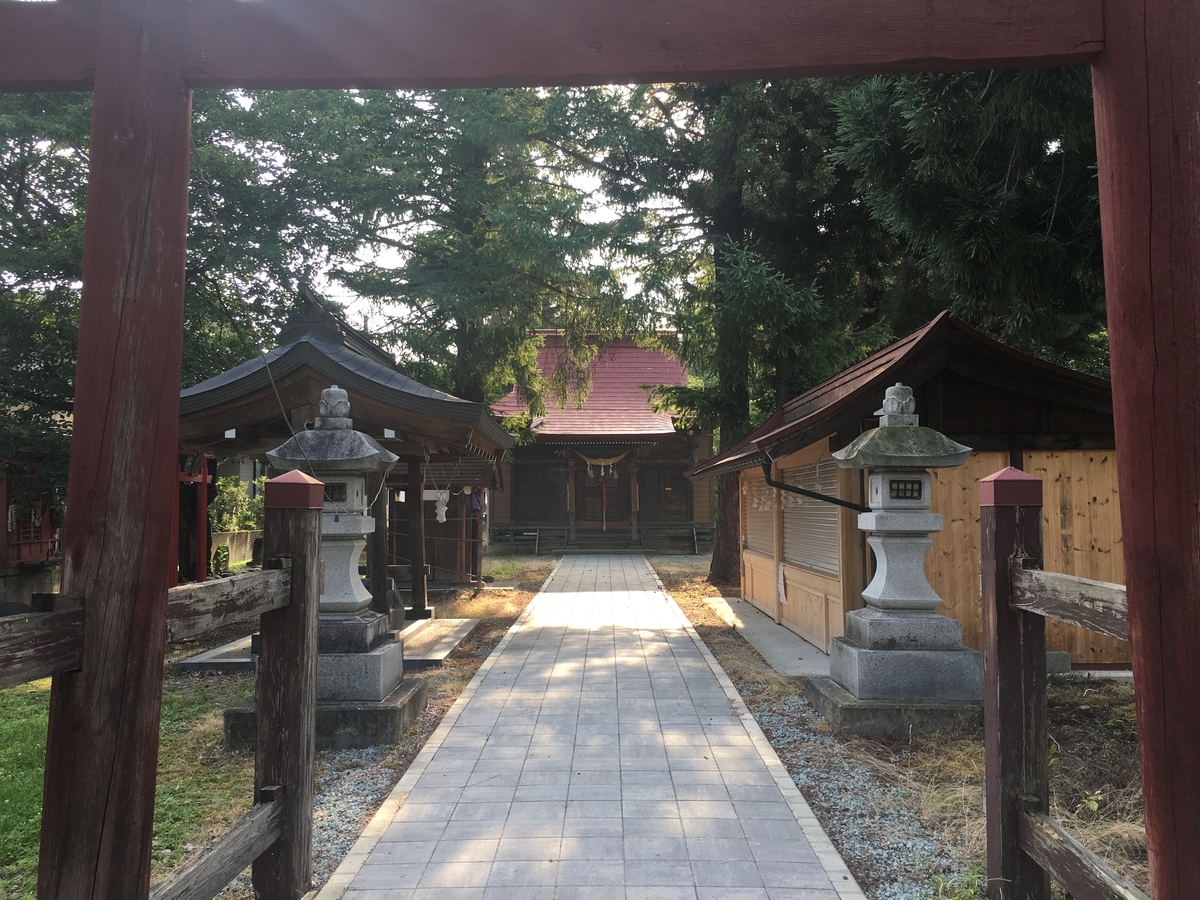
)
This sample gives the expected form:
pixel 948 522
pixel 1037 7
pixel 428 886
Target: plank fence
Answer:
pixel 1024 845
pixel 275 837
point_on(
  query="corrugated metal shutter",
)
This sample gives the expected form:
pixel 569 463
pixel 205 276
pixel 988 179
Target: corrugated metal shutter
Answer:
pixel 810 527
pixel 760 515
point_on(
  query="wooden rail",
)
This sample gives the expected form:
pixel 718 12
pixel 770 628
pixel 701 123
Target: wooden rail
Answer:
pixel 275 837
pixel 1024 845
pixel 49 640
pixel 203 877
pixel 193 609
pixel 1095 605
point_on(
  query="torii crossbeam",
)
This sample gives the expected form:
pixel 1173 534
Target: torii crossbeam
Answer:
pixel 142 57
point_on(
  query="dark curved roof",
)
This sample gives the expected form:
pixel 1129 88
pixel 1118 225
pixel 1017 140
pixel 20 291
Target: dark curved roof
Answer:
pixel 337 364
pixel 944 344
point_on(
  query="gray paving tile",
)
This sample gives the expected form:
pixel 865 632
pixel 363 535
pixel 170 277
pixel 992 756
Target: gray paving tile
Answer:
pixel 455 875
pixel 523 873
pixel 655 847
pixel 597 758
pixel 591 872
pixel 667 873
pixel 726 874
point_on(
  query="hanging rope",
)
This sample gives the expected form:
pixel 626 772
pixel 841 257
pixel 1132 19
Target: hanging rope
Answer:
pixel 604 464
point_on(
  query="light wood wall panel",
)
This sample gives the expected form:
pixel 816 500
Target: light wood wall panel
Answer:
pixel 759 577
pixel 1081 529
pixel 952 563
pixel 813 606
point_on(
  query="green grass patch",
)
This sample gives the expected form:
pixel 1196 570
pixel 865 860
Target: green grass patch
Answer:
pixel 23 715
pixel 202 789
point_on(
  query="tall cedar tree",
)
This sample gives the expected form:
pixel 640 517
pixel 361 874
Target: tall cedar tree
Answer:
pixel 988 181
pixel 768 268
pixel 248 246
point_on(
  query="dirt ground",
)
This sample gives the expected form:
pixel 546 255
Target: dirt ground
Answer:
pixel 1095 782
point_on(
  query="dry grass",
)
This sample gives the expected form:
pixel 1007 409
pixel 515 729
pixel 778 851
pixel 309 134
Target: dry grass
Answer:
pixel 1095 784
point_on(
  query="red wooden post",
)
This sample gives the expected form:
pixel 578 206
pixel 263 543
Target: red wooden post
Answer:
pixel 1147 100
pixel 1014 682
pixel 285 746
pixel 102 740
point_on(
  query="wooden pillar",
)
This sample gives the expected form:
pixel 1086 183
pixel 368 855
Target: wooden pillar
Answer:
pixel 1147 102
pixel 415 494
pixel 286 690
pixel 102 741
pixel 1014 683
pixel 635 502
pixel 377 549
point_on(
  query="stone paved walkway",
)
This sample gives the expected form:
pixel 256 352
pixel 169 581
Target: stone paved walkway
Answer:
pixel 599 752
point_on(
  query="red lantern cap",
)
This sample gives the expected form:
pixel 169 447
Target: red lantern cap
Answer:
pixel 1010 487
pixel 294 490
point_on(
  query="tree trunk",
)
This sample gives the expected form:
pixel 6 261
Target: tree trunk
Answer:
pixel 727 557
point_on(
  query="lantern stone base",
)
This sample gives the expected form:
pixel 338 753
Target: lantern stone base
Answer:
pixel 907 676
pixel 351 633
pixel 341 726
pixel 888 718
pixel 360 676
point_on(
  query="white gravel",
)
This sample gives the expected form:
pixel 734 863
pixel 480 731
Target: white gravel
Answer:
pixel 891 852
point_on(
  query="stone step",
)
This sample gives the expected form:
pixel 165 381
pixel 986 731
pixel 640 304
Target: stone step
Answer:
pixel 427 642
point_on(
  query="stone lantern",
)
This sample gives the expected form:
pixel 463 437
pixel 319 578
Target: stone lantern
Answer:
pixel 899 649
pixel 357 659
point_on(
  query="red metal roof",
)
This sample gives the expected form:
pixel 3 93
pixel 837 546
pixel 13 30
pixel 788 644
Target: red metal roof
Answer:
pixel 618 405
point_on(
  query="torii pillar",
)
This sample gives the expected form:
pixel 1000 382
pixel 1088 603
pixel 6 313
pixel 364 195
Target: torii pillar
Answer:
pixel 1146 88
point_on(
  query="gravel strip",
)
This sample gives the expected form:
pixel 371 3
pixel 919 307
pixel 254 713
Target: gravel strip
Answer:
pixel 892 853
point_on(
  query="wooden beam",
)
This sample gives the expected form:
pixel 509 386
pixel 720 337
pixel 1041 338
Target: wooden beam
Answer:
pixel 288 44
pixel 194 609
pixel 1147 101
pixel 1083 874
pixel 39 644
pixel 1096 605
pixel 48 46
pixel 102 741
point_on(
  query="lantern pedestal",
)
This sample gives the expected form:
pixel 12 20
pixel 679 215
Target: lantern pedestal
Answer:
pixel 901 667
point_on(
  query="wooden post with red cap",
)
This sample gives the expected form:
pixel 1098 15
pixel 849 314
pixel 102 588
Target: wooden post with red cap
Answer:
pixel 287 682
pixel 1014 682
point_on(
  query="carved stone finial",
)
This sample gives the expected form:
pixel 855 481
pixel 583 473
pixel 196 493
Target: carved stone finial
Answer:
pixel 335 403
pixel 899 407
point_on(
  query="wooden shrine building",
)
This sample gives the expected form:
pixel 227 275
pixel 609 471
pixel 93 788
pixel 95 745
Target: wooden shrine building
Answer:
pixel 1009 407
pixel 444 443
pixel 142 58
pixel 609 473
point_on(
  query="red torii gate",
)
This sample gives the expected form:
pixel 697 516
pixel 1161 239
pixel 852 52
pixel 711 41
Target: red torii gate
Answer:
pixel 142 57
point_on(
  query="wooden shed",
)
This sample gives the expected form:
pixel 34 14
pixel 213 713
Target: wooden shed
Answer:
pixel 608 474
pixel 805 562
pixel 444 443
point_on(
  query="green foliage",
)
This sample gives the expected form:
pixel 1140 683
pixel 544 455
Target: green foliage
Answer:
pixel 970 884
pixel 755 250
pixel 988 180
pixel 456 215
pixel 232 507
pixel 191 791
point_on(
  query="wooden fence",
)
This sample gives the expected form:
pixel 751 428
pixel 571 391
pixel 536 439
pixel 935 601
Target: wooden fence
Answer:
pixel 275 837
pixel 1025 845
